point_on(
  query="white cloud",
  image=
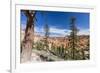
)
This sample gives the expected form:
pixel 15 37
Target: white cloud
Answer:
pixel 59 32
pixel 84 32
pixel 55 32
pixel 39 31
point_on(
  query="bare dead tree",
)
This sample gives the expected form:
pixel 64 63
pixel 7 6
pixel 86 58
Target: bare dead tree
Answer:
pixel 26 45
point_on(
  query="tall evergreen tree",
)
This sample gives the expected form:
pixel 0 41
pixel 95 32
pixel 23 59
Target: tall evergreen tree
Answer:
pixel 46 30
pixel 73 36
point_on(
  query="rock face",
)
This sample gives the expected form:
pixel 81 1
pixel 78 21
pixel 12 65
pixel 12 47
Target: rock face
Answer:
pixel 83 40
pixel 41 56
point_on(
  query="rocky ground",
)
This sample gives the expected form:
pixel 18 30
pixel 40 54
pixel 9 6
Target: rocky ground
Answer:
pixel 42 56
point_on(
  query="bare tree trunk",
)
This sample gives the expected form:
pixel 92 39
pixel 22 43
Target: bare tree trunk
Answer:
pixel 27 43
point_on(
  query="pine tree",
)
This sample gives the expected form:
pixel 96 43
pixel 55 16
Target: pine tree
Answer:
pixel 46 30
pixel 73 36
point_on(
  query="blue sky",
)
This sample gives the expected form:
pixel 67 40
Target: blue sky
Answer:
pixel 58 22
